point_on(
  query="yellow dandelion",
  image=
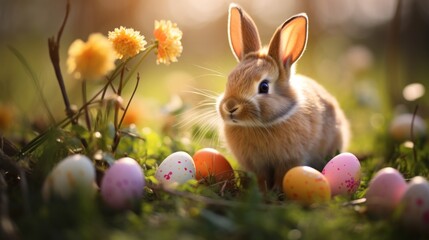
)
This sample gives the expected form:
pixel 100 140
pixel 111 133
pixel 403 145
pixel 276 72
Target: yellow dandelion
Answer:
pixel 127 42
pixel 92 59
pixel 168 37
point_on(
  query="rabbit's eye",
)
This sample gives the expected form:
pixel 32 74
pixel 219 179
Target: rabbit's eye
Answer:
pixel 264 87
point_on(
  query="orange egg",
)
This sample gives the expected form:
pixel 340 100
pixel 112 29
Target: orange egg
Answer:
pixel 210 163
pixel 306 185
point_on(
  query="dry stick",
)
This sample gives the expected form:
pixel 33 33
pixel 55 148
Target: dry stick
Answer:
pixel 412 133
pixel 85 109
pixel 54 54
pixel 197 198
pixel 117 137
pixel 129 102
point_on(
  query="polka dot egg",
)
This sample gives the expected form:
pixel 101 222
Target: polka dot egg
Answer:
pixel 306 185
pixel 122 184
pixel 343 174
pixel 177 168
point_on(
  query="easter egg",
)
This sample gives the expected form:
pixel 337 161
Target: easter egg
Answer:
pixel 176 169
pixel 400 127
pixel 122 183
pixel 385 191
pixel 415 205
pixel 306 185
pixel 210 163
pixel 343 174
pixel 72 174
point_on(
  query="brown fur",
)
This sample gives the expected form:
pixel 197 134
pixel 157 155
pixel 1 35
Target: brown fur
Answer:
pixel 298 122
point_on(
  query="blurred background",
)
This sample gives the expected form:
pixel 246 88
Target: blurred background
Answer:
pixel 364 52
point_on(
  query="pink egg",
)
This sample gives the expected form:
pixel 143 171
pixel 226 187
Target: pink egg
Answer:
pixel 122 183
pixel 385 191
pixel 343 174
pixel 415 203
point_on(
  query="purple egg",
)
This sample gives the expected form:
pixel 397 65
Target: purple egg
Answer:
pixel 122 183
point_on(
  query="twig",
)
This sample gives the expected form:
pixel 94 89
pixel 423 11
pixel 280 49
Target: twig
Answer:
pixel 131 98
pixel 54 54
pixel 117 136
pixel 412 133
pixel 85 108
pixel 197 198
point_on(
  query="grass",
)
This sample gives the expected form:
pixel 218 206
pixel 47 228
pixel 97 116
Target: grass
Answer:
pixel 196 211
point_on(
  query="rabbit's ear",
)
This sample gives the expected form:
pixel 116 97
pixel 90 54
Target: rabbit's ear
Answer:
pixel 289 41
pixel 242 32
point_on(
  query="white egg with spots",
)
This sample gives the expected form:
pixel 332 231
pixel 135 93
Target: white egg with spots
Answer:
pixel 415 205
pixel 122 184
pixel 177 168
pixel 72 174
pixel 343 174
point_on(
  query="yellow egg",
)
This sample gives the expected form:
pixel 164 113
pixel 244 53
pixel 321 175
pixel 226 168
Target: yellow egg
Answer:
pixel 306 185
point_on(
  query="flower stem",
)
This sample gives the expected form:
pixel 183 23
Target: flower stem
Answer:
pixel 134 69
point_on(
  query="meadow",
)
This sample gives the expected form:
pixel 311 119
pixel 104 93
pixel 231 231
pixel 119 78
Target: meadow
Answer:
pixel 146 104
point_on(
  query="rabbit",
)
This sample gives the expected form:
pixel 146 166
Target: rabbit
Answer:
pixel 272 118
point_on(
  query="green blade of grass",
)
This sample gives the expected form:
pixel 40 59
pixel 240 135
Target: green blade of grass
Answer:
pixel 33 77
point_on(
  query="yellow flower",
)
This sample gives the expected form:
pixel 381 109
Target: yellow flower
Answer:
pixel 168 37
pixel 92 59
pixel 127 42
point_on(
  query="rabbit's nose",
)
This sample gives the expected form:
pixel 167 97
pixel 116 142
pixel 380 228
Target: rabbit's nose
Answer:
pixel 231 106
pixel 233 110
